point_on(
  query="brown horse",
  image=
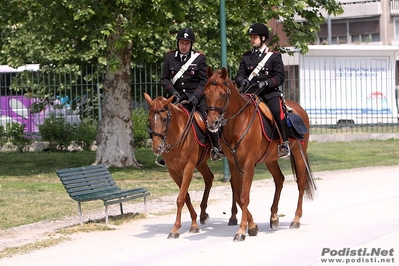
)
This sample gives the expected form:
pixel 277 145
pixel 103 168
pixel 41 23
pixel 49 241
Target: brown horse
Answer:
pixel 245 146
pixel 173 137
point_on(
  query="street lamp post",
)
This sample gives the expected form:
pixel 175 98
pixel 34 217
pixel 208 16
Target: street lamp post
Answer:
pixel 223 63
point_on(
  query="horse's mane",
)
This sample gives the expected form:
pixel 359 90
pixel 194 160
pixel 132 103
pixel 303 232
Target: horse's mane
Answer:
pixel 218 75
pixel 157 104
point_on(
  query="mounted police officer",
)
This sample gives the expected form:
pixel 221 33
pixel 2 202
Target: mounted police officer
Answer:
pixel 261 71
pixel 184 76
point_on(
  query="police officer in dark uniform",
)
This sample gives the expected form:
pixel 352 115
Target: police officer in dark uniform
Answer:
pixel 190 84
pixel 266 82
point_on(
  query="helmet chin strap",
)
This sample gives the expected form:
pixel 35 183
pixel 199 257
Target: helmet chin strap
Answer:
pixel 262 42
pixel 259 46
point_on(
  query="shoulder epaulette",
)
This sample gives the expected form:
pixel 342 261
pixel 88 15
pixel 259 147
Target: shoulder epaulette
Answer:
pixel 195 51
pixel 248 52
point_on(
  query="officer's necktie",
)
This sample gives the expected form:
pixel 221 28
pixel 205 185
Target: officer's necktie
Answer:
pixel 183 58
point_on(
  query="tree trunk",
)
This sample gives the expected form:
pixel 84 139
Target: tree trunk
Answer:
pixel 115 143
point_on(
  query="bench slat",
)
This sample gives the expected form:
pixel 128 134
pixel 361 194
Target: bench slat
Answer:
pixel 89 183
pixel 95 182
pixel 103 191
pixel 81 177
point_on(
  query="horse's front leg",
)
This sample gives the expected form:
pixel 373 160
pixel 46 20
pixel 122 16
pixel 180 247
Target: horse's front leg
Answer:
pixel 246 217
pixel 183 182
pixel 246 221
pixel 234 210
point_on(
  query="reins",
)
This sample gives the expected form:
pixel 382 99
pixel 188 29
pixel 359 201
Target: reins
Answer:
pixel 234 150
pixel 223 120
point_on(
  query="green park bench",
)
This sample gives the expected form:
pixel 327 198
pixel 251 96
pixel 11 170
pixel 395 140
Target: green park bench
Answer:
pixel 95 182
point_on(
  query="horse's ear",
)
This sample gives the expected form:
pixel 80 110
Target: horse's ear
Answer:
pixel 168 101
pixel 147 98
pixel 223 74
pixel 209 72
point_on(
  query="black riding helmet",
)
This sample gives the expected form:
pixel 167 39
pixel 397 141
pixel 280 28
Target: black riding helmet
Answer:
pixel 185 34
pixel 259 29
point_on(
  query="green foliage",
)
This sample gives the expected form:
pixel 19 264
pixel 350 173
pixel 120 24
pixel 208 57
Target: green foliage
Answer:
pixel 15 132
pixel 140 127
pixel 57 132
pixel 84 135
pixel 3 136
pixel 72 32
pixel 60 134
pixel 58 33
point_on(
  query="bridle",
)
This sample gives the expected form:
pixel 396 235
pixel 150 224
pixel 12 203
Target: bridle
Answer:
pixel 163 135
pixel 222 121
pixel 222 110
pixel 166 146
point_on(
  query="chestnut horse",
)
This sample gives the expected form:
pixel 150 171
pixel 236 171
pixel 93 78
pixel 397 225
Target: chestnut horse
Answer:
pixel 173 137
pixel 245 146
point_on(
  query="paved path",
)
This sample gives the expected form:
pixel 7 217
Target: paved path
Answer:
pixel 354 211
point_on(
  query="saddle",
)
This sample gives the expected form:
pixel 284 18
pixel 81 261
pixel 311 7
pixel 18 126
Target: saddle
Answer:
pixel 295 123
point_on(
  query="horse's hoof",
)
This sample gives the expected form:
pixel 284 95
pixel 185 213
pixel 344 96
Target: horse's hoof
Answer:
pixel 253 231
pixel 204 220
pixel 233 222
pixel 194 230
pixel 295 225
pixel 239 237
pixel 173 235
pixel 274 224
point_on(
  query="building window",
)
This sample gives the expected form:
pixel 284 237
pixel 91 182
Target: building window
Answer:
pixel 374 37
pixel 342 39
pixel 397 30
pixel 334 40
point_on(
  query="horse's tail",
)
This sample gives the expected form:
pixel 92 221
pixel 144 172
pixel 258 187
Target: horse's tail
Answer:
pixel 310 185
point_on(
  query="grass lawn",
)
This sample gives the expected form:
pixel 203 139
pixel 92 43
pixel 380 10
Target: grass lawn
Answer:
pixel 30 191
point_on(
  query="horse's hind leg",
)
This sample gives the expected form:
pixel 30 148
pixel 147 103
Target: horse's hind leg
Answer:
pixel 208 176
pixel 299 171
pixel 278 178
pixel 304 179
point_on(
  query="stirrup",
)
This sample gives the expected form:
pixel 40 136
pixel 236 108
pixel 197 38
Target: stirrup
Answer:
pixel 160 163
pixel 216 154
pixel 284 150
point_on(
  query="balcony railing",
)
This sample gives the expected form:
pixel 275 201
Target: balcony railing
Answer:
pixel 394 5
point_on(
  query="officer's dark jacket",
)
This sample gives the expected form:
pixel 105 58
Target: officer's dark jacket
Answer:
pixel 272 71
pixel 192 82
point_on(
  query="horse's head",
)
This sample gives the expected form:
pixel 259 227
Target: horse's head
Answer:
pixel 159 118
pixel 217 95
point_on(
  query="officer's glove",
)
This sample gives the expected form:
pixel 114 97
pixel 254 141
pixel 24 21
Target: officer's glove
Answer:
pixel 244 84
pixel 263 85
pixel 177 96
pixel 193 101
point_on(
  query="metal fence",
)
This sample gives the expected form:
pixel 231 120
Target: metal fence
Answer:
pixel 78 96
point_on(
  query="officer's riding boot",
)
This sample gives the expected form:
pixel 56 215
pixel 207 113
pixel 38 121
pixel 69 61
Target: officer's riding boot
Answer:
pixel 160 163
pixel 283 148
pixel 216 152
